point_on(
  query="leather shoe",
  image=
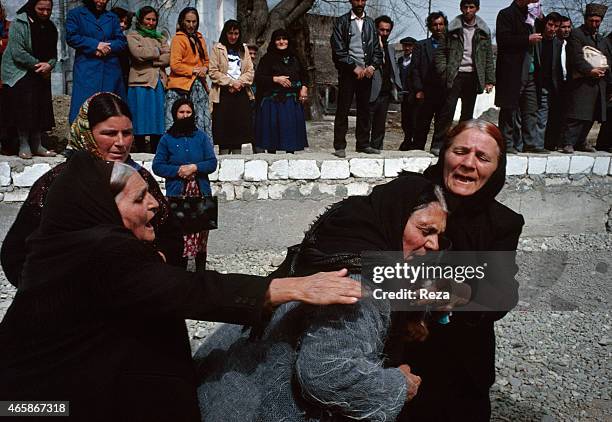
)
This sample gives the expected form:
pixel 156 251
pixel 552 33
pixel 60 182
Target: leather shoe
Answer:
pixel 586 148
pixel 568 149
pixel 369 150
pixel 340 153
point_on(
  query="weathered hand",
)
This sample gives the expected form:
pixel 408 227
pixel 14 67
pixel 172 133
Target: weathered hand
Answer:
pixel 187 171
pixel 413 381
pixel 489 88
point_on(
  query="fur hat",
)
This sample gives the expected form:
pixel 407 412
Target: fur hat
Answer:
pixel 595 9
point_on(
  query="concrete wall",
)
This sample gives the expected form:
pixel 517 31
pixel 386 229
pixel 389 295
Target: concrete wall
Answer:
pixel 269 200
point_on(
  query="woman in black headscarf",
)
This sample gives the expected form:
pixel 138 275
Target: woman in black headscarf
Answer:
pixel 26 74
pixel 472 171
pixel 99 319
pixel 281 90
pixel 313 363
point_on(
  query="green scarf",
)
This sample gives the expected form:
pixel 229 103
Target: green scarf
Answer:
pixel 150 33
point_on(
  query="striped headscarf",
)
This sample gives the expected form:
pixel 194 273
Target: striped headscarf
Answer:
pixel 81 136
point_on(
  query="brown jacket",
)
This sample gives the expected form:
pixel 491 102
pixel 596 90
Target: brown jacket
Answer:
pixel 147 66
pixel 183 60
pixel 219 65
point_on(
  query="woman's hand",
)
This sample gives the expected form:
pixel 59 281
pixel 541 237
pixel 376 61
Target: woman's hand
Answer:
pixel 303 96
pixel 283 81
pixel 318 289
pixel 196 70
pixel 187 171
pixel 164 49
pixel 203 71
pixel 104 48
pixel 236 85
pixel 413 381
pixel 42 68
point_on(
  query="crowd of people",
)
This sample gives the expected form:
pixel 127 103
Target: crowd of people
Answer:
pixel 552 80
pixel 99 259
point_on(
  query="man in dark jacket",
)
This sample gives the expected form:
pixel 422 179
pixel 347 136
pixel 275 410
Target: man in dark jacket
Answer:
pixel 464 63
pixel 357 54
pixel 551 76
pixel 517 62
pixel 604 139
pixel 587 87
pixel 409 109
pixel 386 84
pixel 429 89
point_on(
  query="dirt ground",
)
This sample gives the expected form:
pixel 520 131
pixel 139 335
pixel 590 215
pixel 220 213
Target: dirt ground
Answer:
pixel 320 133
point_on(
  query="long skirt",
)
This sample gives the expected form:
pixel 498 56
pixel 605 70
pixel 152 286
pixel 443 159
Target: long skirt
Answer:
pixel 194 243
pixel 232 120
pixel 28 104
pixel 147 107
pixel 199 98
pixel 280 125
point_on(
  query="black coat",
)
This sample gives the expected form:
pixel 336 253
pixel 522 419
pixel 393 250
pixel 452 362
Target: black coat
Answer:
pixel 512 35
pixel 557 70
pixel 425 77
pixel 341 38
pixel 587 95
pixel 98 319
pixel 407 75
pixel 457 360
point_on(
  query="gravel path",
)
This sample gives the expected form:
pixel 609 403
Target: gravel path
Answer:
pixel 551 365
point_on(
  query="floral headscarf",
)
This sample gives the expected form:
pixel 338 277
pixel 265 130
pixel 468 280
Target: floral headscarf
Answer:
pixel 81 136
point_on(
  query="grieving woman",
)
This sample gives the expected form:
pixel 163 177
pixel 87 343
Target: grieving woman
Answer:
pixel 185 157
pixel 231 72
pixel 326 364
pixel 104 129
pixel 472 171
pixel 98 41
pixel 27 64
pixel 188 69
pixel 150 55
pixel 281 90
pixel 99 318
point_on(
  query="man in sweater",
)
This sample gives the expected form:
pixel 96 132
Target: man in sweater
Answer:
pixel 464 63
pixel 357 54
pixel 386 84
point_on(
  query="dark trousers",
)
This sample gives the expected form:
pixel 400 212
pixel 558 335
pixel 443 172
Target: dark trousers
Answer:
pixel 378 119
pixel 409 113
pixel 575 131
pixel 556 120
pixel 604 139
pixel 430 107
pixel 349 86
pixel 528 107
pixel 465 86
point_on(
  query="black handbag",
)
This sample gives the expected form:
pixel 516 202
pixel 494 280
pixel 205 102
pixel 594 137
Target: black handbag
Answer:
pixel 194 213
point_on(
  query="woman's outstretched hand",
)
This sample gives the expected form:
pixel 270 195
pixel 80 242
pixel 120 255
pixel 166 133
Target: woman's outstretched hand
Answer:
pixel 326 288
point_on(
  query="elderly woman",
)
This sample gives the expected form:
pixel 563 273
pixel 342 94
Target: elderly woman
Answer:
pixel 281 90
pixel 185 158
pixel 98 41
pixel 26 74
pixel 188 69
pixel 472 170
pixel 326 364
pixel 99 318
pixel 104 129
pixel 231 71
pixel 146 92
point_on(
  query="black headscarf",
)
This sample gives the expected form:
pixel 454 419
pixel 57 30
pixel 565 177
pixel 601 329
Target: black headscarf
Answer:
pixel 194 40
pixel 371 223
pixel 43 33
pixel 79 209
pixel 182 127
pixel 460 204
pixel 228 26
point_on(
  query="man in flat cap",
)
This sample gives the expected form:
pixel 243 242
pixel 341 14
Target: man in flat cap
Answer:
pixel 587 86
pixel 409 109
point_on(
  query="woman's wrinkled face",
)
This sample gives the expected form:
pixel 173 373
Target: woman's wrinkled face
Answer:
pixel 233 35
pixel 149 21
pixel 422 230
pixel 100 4
pixel 137 208
pixel 190 22
pixel 114 137
pixel 183 112
pixel 43 9
pixel 281 43
pixel 469 162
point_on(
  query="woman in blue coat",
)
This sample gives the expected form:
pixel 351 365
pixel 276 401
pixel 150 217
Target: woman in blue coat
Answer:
pixel 96 36
pixel 185 157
